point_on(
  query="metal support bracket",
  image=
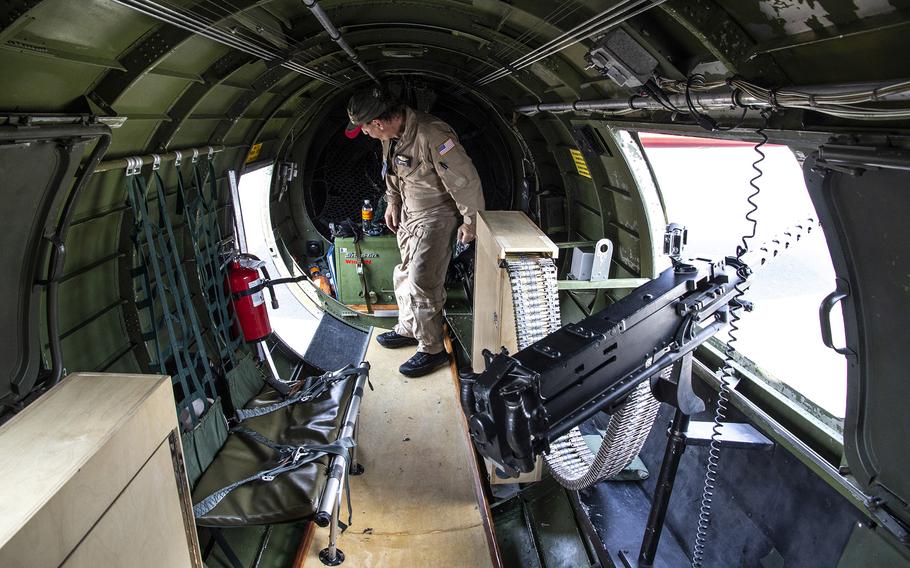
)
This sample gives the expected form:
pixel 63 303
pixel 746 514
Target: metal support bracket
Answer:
pixel 133 165
pixel 362 275
pixel 677 388
pixel 603 255
pixel 732 435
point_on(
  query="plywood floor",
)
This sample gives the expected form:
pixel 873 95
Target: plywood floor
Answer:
pixel 415 505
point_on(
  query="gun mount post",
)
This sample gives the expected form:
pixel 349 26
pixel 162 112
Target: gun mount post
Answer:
pixel 676 446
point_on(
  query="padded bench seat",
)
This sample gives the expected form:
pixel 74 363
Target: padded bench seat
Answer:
pixel 291 496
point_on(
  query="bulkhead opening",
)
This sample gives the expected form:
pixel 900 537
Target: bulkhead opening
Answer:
pixel 339 173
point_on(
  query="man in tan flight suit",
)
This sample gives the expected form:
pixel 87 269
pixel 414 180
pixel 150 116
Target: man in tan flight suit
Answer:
pixel 430 183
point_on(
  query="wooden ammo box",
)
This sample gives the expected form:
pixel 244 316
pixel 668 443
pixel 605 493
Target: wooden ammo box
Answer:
pixel 500 233
pixel 92 476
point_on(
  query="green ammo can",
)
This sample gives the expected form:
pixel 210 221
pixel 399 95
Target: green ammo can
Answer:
pixel 380 256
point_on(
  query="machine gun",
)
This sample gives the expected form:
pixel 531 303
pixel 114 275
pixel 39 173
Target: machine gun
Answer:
pixel 521 403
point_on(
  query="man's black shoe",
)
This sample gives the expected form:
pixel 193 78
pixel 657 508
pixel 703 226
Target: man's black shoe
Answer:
pixel 392 340
pixel 423 363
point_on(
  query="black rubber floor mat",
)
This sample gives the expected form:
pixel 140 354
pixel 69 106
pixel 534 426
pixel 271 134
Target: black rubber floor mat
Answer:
pixel 336 344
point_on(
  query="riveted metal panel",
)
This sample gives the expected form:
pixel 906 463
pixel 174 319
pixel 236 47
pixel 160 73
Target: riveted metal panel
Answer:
pixel 42 84
pixel 93 345
pixel 199 94
pixel 195 55
pixel 94 239
pixel 131 138
pixel 195 133
pixel 98 27
pixel 151 92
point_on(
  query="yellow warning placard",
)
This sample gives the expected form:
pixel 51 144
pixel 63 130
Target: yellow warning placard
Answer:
pixel 580 164
pixel 254 152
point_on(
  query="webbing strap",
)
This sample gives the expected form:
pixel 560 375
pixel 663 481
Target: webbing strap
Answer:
pixel 136 193
pixel 348 443
pixel 211 280
pixel 218 537
pixel 290 458
pixel 181 294
pixel 214 239
pixel 147 302
pixel 202 218
pixel 170 288
pixel 309 388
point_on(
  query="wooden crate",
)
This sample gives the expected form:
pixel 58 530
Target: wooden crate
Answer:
pixel 500 233
pixel 92 475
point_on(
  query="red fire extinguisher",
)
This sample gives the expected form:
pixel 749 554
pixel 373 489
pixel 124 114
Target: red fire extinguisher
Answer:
pixel 247 289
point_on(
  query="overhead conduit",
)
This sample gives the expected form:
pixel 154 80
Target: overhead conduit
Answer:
pixel 335 36
pixel 206 28
pixel 259 48
pixel 609 18
pixel 835 100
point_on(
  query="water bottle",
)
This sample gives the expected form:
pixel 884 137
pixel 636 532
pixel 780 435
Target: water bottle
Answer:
pixel 366 215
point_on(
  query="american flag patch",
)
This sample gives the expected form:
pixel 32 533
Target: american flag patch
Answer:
pixel 446 146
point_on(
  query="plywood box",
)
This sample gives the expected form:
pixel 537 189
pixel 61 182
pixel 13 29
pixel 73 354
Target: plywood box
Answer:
pixel 92 475
pixel 500 233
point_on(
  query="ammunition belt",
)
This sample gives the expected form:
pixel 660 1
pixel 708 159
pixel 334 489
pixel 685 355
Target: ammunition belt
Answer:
pixel 570 459
pixel 534 297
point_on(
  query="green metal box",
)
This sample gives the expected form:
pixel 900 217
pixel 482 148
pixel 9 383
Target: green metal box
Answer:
pixel 380 256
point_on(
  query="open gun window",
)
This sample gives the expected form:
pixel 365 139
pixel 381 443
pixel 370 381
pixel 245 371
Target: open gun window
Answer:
pixel 780 341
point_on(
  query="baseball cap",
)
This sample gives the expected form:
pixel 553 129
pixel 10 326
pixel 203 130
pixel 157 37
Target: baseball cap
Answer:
pixel 362 108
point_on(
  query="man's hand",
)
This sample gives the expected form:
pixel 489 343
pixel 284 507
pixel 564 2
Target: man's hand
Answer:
pixel 466 233
pixel 392 216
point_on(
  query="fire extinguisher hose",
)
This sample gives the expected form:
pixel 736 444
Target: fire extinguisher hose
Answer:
pixel 267 283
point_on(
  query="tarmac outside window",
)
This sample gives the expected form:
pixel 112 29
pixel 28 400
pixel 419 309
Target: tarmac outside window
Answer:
pixel 704 184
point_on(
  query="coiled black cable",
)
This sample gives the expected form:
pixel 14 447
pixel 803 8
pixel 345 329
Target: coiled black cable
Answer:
pixel 727 372
pixel 756 165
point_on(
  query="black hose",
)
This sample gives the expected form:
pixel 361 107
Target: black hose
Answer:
pixel 268 284
pixel 466 381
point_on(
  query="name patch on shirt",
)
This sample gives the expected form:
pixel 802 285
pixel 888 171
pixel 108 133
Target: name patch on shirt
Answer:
pixel 446 146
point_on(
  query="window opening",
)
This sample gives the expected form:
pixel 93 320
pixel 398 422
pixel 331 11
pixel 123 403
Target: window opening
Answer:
pixel 704 185
pixel 292 321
